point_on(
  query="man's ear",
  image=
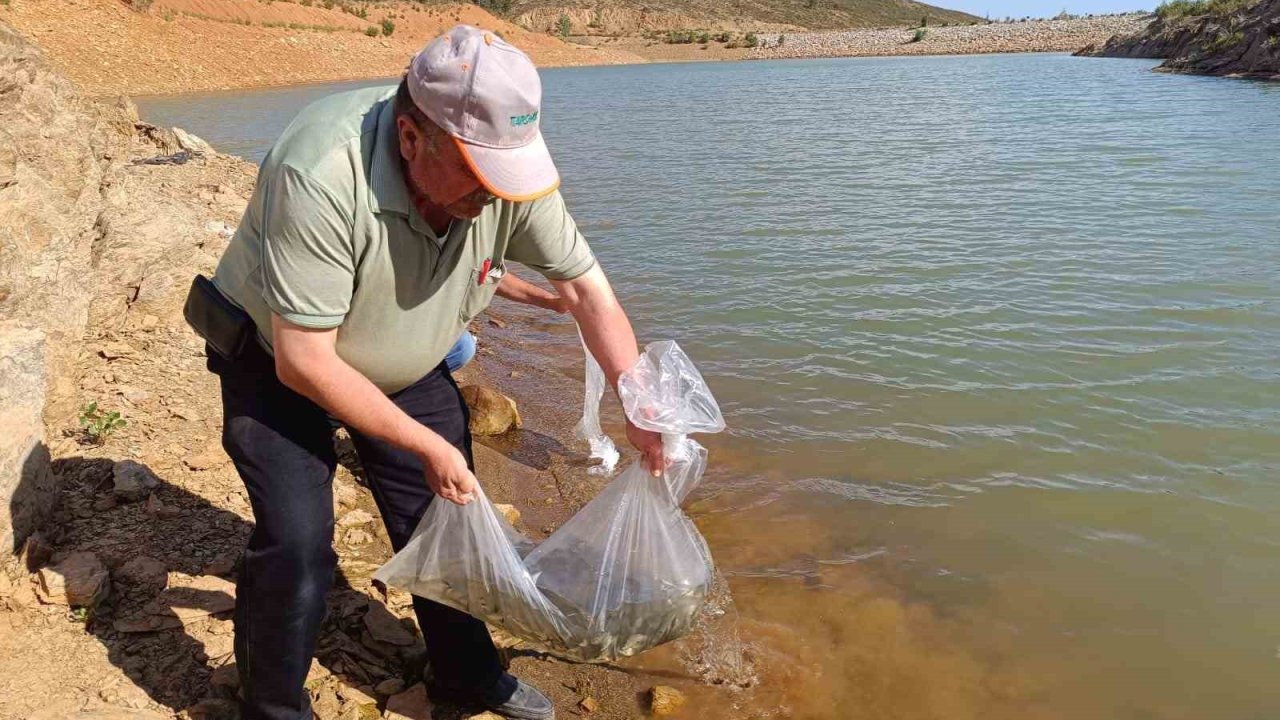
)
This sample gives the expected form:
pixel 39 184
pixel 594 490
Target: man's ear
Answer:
pixel 411 137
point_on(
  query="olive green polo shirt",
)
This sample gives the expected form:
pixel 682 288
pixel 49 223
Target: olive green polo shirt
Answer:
pixel 331 239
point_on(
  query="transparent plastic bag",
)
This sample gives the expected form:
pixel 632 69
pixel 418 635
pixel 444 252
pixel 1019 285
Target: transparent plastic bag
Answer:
pixel 628 572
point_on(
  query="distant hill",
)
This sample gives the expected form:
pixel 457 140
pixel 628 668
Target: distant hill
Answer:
pixel 633 17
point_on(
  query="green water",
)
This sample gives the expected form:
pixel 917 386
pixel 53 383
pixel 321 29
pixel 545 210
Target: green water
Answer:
pixel 997 340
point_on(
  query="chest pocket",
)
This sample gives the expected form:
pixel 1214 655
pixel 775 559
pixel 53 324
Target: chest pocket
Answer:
pixel 480 290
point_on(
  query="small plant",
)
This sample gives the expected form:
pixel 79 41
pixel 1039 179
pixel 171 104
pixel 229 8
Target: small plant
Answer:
pixel 497 7
pixel 723 37
pixel 595 21
pixel 924 21
pixel 564 25
pixel 1273 41
pixel 781 39
pixel 750 40
pixel 704 38
pixel 168 15
pixel 141 6
pixel 388 27
pixel 920 35
pixel 372 31
pixel 98 425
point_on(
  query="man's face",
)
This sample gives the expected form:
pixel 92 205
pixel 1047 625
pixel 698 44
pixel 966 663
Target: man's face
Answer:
pixel 437 173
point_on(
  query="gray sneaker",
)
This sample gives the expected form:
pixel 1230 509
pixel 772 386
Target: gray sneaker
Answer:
pixel 512 698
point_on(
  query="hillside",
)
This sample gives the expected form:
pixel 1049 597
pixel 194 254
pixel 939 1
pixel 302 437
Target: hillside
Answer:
pixel 1239 38
pixel 164 46
pixel 635 17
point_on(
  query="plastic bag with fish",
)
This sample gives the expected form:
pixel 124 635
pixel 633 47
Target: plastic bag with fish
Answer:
pixel 628 572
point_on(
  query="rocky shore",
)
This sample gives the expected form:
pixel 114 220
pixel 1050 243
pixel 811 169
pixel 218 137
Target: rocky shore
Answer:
pixel 123 516
pixel 1003 37
pixel 1239 39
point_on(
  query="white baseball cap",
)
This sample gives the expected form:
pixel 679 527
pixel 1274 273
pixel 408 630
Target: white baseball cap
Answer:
pixel 486 94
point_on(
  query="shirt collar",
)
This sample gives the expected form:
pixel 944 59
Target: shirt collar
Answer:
pixel 386 175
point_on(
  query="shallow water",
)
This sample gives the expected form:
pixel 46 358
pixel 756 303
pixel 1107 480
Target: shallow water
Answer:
pixel 996 338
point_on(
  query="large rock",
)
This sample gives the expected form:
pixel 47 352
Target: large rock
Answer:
pixel 81 580
pixel 1242 41
pixel 492 413
pixel 51 200
pixel 27 483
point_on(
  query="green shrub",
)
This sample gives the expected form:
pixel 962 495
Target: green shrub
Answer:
pixel 564 25
pixel 1171 9
pixel 140 5
pixel 98 425
pixel 497 7
pixel 750 40
pixel 704 38
pixel 682 37
pixel 372 31
pixel 723 37
pixel 388 26
pixel 781 39
pixel 920 35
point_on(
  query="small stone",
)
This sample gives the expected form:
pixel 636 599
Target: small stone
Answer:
pixel 357 704
pixel 325 704
pixel 159 510
pixel 79 581
pixel 357 536
pixel 132 481
pixel 665 700
pixel 143 572
pixel 509 512
pixel 117 350
pixel 104 503
pixel 486 715
pixel 492 413
pixel 150 321
pixel 227 676
pixel 206 460
pixel 133 395
pixel 516 373
pixel 411 704
pixel 588 704
pixel 390 686
pixel 221 566
pixel 35 552
pixel 212 709
pixel 355 517
pixel 497 323
pixel 387 628
pixel 317 675
pixel 183 413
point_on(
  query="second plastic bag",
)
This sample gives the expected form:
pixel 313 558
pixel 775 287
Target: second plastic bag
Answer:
pixel 626 573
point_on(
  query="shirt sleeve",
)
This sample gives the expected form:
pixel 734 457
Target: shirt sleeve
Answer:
pixel 308 261
pixel 546 238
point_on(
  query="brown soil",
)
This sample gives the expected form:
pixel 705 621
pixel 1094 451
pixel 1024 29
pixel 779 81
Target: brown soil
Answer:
pixel 195 45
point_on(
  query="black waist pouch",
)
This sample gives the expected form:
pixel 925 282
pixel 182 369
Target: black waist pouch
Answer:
pixel 222 324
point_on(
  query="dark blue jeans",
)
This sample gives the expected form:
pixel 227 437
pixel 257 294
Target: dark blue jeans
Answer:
pixel 282 445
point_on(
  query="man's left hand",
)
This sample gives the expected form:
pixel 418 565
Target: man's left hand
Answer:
pixel 649 444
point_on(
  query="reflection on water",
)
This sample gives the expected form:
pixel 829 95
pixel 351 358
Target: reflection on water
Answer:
pixel 996 341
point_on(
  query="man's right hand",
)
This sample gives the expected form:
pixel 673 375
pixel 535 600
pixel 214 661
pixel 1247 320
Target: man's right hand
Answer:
pixel 448 476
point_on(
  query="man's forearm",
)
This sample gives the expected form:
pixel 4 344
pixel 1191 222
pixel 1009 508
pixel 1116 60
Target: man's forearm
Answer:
pixel 604 324
pixel 522 291
pixel 328 381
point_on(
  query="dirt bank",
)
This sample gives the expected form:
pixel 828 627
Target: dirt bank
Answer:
pixel 195 45
pixel 1005 37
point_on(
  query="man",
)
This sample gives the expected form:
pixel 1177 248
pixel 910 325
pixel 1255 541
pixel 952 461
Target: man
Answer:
pixel 380 225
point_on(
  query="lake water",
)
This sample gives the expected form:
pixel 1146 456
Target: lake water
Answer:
pixel 998 339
